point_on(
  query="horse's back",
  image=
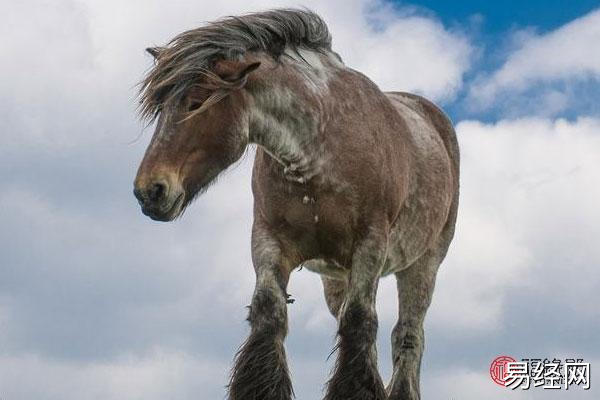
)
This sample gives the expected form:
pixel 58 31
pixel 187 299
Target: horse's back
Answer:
pixel 426 220
pixel 438 119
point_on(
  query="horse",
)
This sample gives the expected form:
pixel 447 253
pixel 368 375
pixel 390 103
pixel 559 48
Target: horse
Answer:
pixel 348 181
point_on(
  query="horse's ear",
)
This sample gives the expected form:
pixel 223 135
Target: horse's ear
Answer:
pixel 154 51
pixel 247 69
pixel 235 73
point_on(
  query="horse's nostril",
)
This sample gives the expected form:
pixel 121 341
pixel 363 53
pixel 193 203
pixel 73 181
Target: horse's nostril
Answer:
pixel 157 191
pixel 138 194
pixel 151 194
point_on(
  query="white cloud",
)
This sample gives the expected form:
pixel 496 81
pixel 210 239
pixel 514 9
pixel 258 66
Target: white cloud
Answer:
pixel 467 384
pixel 567 53
pixel 529 198
pixel 159 375
pixel 396 48
pixel 74 65
pixel 90 288
pixel 70 102
pixel 403 52
pixel 474 382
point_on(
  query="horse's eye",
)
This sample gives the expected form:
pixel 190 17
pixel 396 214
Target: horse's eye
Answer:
pixel 194 105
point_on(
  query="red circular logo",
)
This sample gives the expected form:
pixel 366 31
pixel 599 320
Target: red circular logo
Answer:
pixel 498 369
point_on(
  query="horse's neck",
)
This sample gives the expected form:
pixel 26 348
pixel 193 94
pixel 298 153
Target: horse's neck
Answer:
pixel 287 125
pixel 285 129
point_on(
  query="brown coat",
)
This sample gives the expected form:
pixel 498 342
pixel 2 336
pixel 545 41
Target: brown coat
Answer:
pixel 349 182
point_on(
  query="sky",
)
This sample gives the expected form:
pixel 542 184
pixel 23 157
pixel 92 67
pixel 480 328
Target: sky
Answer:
pixel 99 302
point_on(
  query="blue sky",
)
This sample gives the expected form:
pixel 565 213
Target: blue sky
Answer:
pixel 98 301
pixel 499 17
pixel 494 24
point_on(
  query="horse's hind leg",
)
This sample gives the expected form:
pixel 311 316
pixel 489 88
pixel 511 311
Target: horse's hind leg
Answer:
pixel 415 288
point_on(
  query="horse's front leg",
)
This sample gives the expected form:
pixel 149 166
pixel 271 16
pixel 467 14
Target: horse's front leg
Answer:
pixel 260 371
pixel 355 376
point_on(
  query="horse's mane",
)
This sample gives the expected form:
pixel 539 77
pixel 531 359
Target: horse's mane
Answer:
pixel 192 53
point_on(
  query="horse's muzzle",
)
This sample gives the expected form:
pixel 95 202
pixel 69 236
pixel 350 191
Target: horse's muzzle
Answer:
pixel 159 201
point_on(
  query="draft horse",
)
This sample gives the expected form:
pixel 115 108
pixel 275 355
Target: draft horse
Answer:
pixel 348 181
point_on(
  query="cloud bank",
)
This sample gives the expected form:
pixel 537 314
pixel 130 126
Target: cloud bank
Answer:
pixel 97 301
pixel 553 68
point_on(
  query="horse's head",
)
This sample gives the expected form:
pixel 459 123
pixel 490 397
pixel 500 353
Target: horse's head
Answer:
pixel 198 134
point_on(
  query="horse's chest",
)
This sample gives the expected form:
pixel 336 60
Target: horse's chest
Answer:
pixel 322 221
